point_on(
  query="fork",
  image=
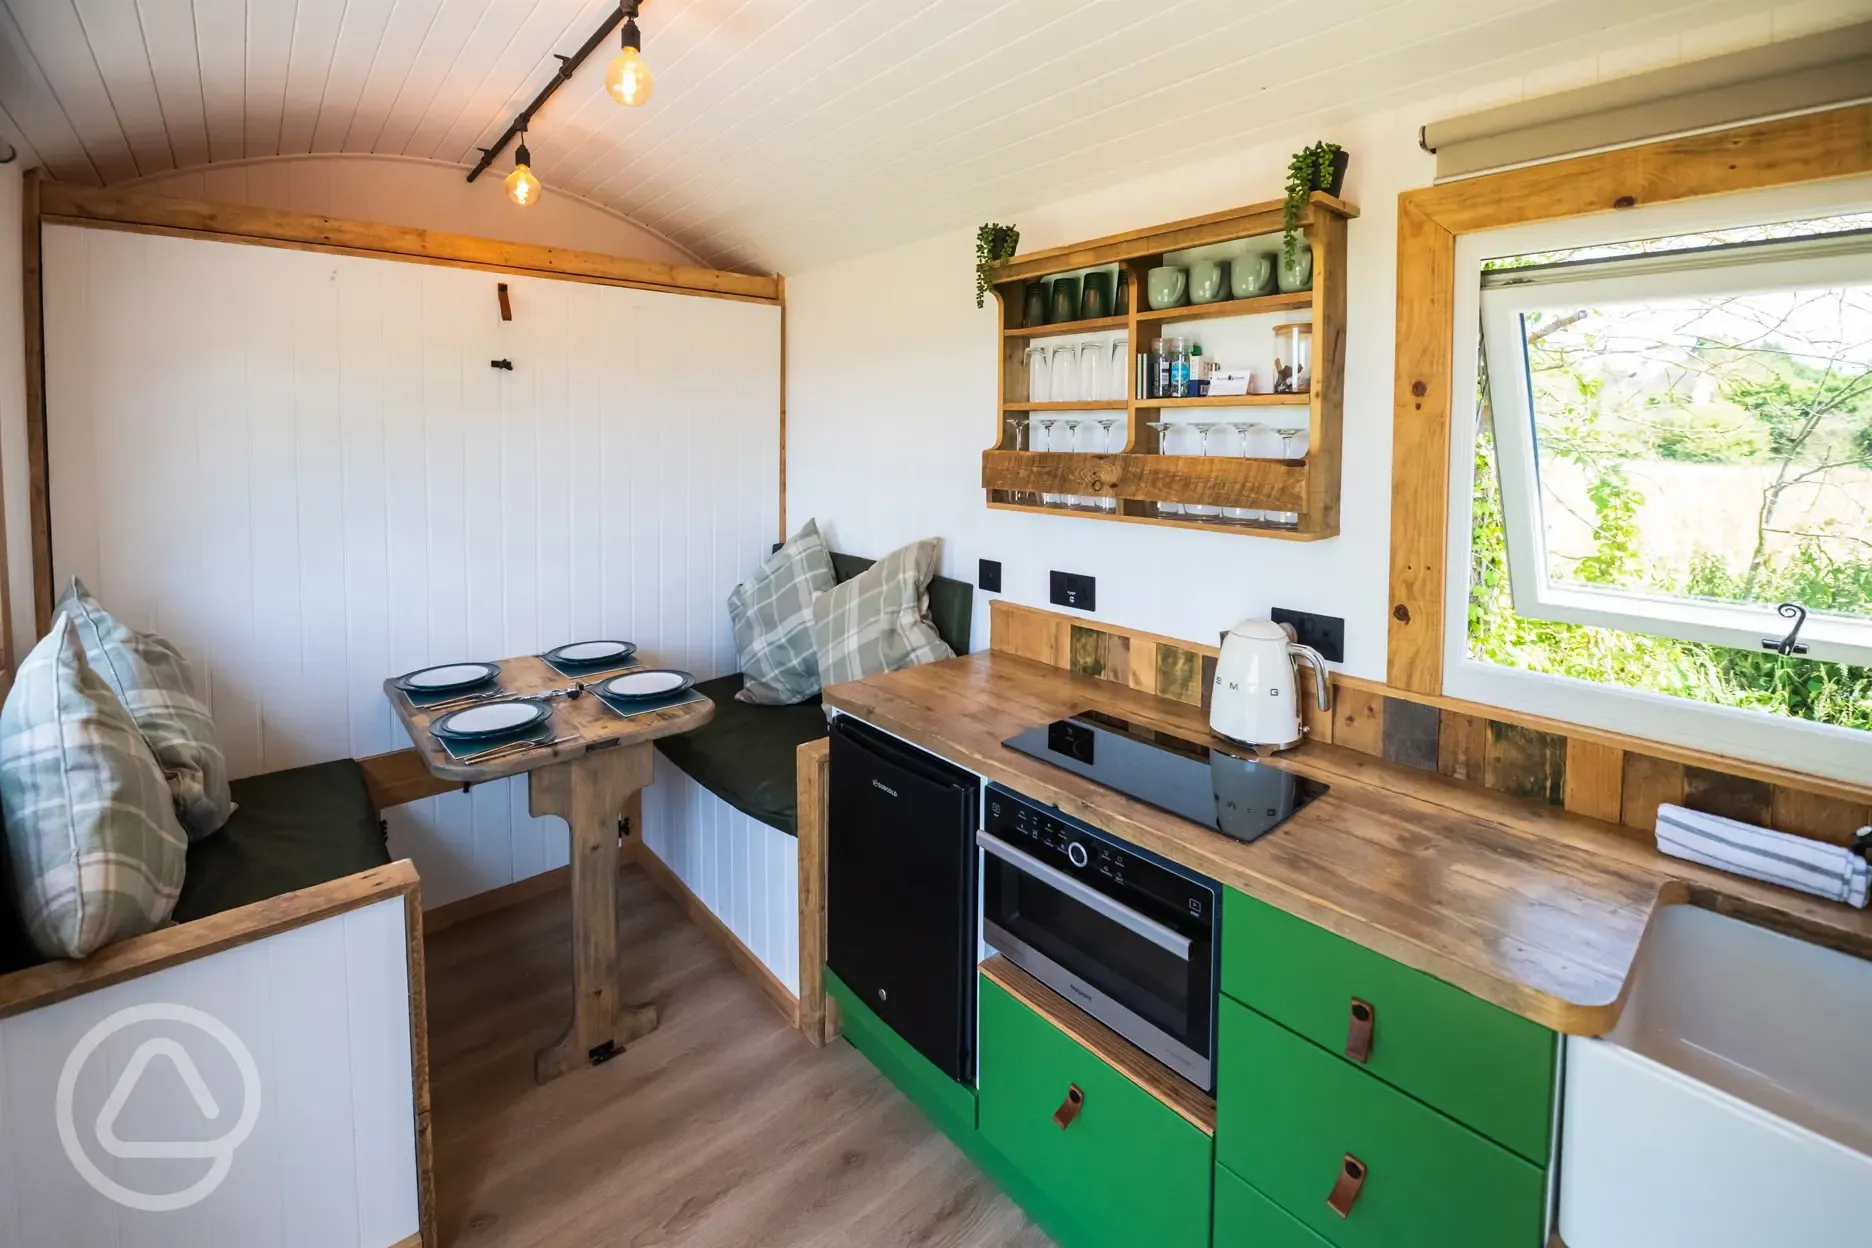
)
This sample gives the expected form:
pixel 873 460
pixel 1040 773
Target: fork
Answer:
pixel 514 747
pixel 468 699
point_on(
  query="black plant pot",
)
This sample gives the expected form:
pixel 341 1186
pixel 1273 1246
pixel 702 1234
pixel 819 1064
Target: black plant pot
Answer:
pixel 1337 183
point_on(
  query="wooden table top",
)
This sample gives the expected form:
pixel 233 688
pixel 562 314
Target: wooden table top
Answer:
pixel 592 725
pixel 1539 911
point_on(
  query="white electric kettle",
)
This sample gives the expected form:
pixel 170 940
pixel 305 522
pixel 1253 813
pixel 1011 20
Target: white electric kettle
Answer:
pixel 1256 699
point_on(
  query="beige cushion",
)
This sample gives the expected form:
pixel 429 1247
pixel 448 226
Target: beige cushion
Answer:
pixel 152 680
pixel 879 620
pixel 96 850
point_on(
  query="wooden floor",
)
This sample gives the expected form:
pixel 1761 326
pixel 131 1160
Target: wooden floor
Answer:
pixel 722 1128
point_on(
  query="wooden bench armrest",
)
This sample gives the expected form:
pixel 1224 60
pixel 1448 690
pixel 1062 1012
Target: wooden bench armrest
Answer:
pixel 811 765
pixel 401 776
pixel 185 942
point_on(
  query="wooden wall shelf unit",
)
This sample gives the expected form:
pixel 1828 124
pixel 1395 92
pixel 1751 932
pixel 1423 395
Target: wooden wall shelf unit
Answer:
pixel 1141 476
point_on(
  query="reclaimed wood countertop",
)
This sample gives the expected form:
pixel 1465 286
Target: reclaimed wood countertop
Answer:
pixel 1536 910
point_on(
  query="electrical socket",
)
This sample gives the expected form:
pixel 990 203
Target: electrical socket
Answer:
pixel 1072 589
pixel 988 576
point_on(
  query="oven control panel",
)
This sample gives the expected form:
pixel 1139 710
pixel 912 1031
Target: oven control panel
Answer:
pixel 1114 867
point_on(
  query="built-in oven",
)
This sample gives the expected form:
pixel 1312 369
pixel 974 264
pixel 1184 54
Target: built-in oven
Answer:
pixel 1128 936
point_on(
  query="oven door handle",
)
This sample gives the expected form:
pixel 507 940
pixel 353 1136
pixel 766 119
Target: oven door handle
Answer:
pixel 1119 913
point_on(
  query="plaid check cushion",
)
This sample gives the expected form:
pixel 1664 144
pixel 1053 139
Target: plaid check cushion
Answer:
pixel 879 620
pixel 96 850
pixel 152 680
pixel 772 613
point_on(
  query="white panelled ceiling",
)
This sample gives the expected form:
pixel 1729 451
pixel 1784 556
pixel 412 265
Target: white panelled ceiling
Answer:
pixel 782 133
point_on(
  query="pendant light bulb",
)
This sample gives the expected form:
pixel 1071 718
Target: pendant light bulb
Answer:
pixel 522 187
pixel 627 78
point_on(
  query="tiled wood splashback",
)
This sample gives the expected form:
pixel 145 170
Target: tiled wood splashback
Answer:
pixel 1620 780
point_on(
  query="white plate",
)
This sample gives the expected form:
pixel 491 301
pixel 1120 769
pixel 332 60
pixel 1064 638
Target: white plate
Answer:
pixel 591 651
pixel 496 717
pixel 643 684
pixel 448 677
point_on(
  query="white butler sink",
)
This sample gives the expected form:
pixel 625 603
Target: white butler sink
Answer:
pixel 1732 1105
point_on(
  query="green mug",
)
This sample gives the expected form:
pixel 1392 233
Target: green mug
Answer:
pixel 1207 280
pixel 1297 274
pixel 1166 287
pixel 1095 297
pixel 1252 276
pixel 1065 300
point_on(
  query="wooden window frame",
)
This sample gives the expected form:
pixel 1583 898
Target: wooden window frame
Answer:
pixel 1811 147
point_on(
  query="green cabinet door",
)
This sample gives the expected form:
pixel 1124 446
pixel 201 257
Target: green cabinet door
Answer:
pixel 1289 1114
pixel 1476 1062
pixel 1244 1218
pixel 1127 1167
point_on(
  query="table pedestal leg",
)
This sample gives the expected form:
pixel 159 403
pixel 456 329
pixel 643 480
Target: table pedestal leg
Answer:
pixel 590 793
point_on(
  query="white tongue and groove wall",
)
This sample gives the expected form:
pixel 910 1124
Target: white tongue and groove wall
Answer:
pixel 302 468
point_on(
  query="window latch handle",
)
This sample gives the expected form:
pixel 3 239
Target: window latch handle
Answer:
pixel 1790 644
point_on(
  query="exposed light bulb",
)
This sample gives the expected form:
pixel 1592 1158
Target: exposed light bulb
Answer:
pixel 522 187
pixel 627 78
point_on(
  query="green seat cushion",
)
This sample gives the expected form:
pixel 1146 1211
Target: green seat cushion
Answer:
pixel 16 950
pixel 745 754
pixel 290 830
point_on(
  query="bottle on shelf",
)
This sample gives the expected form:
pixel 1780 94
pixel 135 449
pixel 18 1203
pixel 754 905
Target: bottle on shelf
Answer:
pixel 1160 370
pixel 1179 367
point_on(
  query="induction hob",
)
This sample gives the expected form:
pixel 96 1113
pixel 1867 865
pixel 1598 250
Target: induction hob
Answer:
pixel 1235 796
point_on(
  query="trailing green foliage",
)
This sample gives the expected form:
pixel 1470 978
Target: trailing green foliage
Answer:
pixel 1309 170
pixel 993 244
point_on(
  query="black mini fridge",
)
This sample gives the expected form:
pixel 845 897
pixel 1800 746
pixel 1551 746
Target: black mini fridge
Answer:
pixel 901 889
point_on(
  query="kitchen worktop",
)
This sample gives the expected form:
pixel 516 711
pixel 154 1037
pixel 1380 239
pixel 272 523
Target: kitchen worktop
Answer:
pixel 1536 910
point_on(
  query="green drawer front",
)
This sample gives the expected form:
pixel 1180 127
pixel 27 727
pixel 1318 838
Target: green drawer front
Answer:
pixel 1244 1218
pixel 1287 1114
pixel 1476 1062
pixel 1128 1167
pixel 949 1105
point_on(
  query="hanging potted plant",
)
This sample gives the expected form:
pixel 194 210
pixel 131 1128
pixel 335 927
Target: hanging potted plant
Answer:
pixel 993 244
pixel 1321 167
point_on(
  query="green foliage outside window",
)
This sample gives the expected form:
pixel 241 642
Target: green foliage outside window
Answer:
pixel 1833 693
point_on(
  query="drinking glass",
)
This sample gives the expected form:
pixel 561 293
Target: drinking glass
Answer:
pixel 1288 519
pixel 1065 375
pixel 1122 368
pixel 1047 442
pixel 1108 446
pixel 1038 375
pixel 1092 370
pixel 1203 511
pixel 1245 432
pixel 1017 441
pixel 1163 448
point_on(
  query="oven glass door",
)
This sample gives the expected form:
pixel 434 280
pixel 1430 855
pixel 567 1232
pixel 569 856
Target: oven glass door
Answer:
pixel 1154 963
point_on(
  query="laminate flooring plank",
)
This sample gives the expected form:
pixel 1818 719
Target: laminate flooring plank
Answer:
pixel 721 1129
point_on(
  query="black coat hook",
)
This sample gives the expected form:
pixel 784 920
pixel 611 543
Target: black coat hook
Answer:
pixel 508 365
pixel 1790 644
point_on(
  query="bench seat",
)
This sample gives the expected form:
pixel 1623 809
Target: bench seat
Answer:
pixel 290 830
pixel 745 755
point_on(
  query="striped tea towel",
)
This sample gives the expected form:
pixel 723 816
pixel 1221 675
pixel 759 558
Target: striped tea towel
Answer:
pixel 1830 871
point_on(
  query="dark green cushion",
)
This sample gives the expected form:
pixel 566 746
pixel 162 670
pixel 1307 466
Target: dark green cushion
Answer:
pixel 745 754
pixel 951 603
pixel 16 950
pixel 290 830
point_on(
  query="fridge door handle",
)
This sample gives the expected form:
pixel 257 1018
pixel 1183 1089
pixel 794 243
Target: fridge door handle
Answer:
pixel 1124 916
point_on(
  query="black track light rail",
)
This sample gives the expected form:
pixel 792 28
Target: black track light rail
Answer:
pixel 567 66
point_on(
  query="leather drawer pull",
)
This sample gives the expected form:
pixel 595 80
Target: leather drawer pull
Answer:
pixel 1069 1108
pixel 1347 1186
pixel 1358 1036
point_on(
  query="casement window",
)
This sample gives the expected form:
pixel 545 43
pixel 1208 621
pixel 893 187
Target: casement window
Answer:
pixel 1671 467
